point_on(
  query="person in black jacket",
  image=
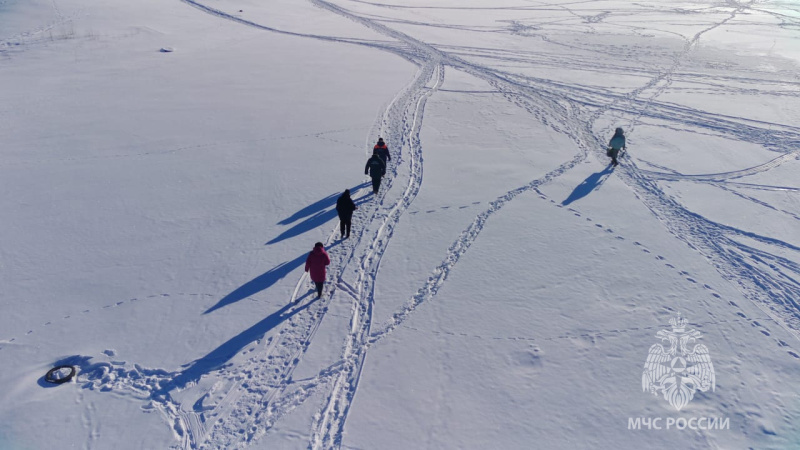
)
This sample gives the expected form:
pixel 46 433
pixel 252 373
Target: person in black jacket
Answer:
pixel 345 208
pixel 383 151
pixel 376 169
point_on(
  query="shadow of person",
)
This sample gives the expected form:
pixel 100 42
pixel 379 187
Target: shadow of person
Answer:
pixel 311 209
pixel 363 199
pixel 263 281
pixel 318 206
pixel 222 354
pixel 316 214
pixel 260 283
pixel 308 293
pixel 309 224
pixel 591 183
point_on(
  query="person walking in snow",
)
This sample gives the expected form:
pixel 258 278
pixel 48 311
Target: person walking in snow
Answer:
pixel 345 208
pixel 616 144
pixel 383 151
pixel 316 262
pixel 376 169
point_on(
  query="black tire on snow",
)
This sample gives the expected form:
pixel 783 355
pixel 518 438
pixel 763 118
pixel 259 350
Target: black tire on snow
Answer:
pixel 50 375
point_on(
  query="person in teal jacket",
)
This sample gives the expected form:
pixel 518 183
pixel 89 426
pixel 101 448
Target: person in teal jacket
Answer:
pixel 616 144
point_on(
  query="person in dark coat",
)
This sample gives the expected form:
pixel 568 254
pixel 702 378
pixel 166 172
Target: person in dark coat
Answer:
pixel 616 144
pixel 345 208
pixel 383 151
pixel 376 169
pixel 316 262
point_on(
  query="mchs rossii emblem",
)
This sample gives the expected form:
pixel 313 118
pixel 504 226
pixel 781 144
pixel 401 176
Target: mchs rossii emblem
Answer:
pixel 680 370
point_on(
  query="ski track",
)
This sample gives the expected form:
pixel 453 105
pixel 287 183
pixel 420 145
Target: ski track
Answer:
pixel 232 405
pixel 37 35
pixel 250 393
pixel 755 200
pixel 209 145
pixel 84 312
pixel 769 281
pixel 236 420
pixel 713 295
pixel 328 428
pixel 723 176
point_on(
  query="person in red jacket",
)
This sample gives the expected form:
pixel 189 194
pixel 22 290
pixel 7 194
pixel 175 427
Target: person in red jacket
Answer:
pixel 315 266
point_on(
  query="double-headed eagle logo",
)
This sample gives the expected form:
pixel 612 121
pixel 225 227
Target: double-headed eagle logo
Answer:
pixel 679 371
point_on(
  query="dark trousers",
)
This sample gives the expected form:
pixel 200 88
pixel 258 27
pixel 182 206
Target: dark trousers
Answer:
pixel 344 225
pixel 376 184
pixel 613 153
pixel 319 288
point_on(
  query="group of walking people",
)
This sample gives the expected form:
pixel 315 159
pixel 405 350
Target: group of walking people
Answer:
pixel 376 165
pixel 318 260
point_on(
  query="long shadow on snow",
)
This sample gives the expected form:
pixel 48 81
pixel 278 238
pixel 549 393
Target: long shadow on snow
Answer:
pixel 262 282
pixel 314 221
pixel 319 205
pixel 306 225
pixel 588 185
pixel 222 354
pixel 313 208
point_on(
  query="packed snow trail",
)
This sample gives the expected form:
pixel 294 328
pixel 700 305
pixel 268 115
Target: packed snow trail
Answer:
pixel 329 427
pixel 213 403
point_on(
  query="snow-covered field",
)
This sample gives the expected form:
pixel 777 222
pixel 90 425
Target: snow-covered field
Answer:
pixel 166 166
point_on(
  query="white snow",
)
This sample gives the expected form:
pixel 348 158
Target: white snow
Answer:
pixel 166 167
